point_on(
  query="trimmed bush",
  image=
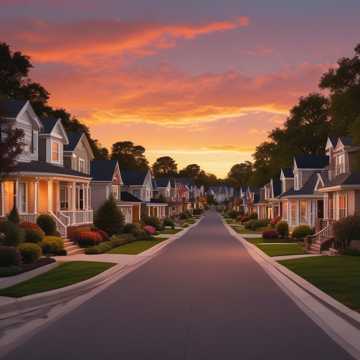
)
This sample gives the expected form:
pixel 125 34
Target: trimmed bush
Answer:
pixel 30 252
pixel 270 234
pixel 87 238
pixel 9 256
pixel 11 234
pixel 253 216
pixel 47 224
pixel 346 230
pixel 152 221
pixel 283 229
pixel 169 222
pixel 104 236
pixel 256 224
pixel 99 249
pixel 118 240
pixel 151 230
pixel 129 228
pixel 52 245
pixel 14 216
pixel 109 218
pixel 185 215
pixel 301 231
pixel 275 221
pixel 198 211
pixel 233 214
pixel 244 218
pixel 141 235
pixel 33 232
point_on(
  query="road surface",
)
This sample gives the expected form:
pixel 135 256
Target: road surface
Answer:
pixel 203 297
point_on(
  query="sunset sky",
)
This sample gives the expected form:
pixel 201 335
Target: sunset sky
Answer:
pixel 200 80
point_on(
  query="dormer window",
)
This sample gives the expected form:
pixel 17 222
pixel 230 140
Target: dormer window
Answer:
pixel 296 182
pixel 55 152
pixel 340 164
pixel 82 166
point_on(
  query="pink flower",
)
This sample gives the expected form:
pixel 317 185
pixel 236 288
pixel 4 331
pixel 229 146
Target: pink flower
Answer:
pixel 150 229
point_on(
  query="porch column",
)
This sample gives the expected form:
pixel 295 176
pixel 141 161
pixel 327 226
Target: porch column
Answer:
pixel 50 194
pixel 36 195
pixel 73 196
pixel 17 197
pixel 2 190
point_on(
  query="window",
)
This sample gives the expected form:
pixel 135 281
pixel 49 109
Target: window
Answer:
pixel 64 197
pixel 303 212
pixel 340 164
pixel 22 198
pixel 80 198
pixel 331 207
pixel 82 167
pixel 293 212
pixel 55 151
pixel 115 192
pixel 296 182
pixel 285 210
pixel 342 205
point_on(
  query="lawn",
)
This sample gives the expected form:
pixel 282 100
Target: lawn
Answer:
pixel 170 231
pixel 337 276
pixel 260 240
pixel 281 249
pixel 65 274
pixel 241 230
pixel 136 247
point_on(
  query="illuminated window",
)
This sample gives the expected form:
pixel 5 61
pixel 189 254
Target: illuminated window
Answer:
pixel 303 211
pixel 23 197
pixel 342 205
pixel 340 164
pixel 55 151
pixel 115 192
pixel 64 197
pixel 293 212
pixel 82 167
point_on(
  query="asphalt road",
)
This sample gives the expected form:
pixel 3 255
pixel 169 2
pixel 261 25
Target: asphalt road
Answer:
pixel 203 297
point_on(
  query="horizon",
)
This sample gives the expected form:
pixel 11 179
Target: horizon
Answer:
pixel 210 81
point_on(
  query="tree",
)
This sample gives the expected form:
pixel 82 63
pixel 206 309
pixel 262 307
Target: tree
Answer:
pixel 11 145
pixel 164 166
pixel 240 174
pixel 191 171
pixel 129 156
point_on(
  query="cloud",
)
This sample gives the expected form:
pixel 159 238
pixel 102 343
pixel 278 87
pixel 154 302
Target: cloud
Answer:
pixel 92 41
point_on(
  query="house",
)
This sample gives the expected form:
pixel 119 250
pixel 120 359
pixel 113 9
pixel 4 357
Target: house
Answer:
pixel 162 188
pixel 221 193
pixel 341 189
pixel 175 204
pixel 140 184
pixel 40 183
pixel 261 205
pixel 303 204
pixel 272 194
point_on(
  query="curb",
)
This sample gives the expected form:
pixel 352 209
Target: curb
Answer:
pixel 338 321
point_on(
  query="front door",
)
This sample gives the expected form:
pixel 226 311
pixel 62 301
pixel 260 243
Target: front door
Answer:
pixel 320 209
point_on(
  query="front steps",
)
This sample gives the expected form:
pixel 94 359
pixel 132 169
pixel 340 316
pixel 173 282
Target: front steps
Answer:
pixel 71 248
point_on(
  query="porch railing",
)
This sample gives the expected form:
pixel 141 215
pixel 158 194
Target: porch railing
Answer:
pixel 77 217
pixel 62 228
pixel 29 217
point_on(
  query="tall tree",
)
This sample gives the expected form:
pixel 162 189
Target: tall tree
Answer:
pixel 164 166
pixel 129 156
pixel 240 174
pixel 192 171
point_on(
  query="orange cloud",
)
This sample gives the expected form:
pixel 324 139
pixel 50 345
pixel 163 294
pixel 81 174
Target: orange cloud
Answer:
pixel 86 42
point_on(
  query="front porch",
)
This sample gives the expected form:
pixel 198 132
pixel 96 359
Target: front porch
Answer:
pixel 66 200
pixel 156 209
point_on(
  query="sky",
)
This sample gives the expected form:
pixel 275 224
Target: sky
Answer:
pixel 203 81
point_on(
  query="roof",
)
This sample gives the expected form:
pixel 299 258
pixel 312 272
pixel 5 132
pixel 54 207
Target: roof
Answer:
pixel 48 124
pixel 44 167
pixel 74 138
pixel 185 181
pixel 346 140
pixel 10 108
pixel 162 182
pixel 126 196
pixel 132 177
pixel 276 186
pixel 102 170
pixel 333 140
pixel 307 189
pixel 288 172
pixel 344 179
pixel 311 161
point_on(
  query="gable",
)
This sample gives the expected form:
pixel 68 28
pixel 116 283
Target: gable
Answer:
pixel 58 131
pixel 83 147
pixel 319 182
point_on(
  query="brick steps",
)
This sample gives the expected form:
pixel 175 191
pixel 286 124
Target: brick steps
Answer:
pixel 71 248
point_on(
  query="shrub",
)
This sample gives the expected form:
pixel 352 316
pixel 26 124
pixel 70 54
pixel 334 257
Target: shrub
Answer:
pixel 109 218
pixel 104 236
pixel 169 222
pixel 253 216
pixel 198 211
pixel 30 252
pixel 130 228
pixel 12 235
pixel 141 235
pixel 233 214
pixel 283 229
pixel 47 224
pixel 244 218
pixel 270 234
pixel 33 232
pixel 118 240
pixel 52 245
pixel 9 256
pixel 151 230
pixel 99 249
pixel 14 216
pixel 301 231
pixel 152 221
pixel 275 221
pixel 256 224
pixel 87 238
pixel 346 230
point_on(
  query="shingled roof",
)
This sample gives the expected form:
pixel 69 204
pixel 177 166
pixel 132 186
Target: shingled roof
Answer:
pixel 102 170
pixel 126 196
pixel 10 108
pixel 74 138
pixel 132 177
pixel 162 182
pixel 344 179
pixel 311 161
pixel 48 124
pixel 307 189
pixel 288 172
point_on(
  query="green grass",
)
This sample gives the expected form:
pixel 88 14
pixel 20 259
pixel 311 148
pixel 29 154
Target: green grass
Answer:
pixel 281 249
pixel 338 276
pixel 260 240
pixel 241 230
pixel 170 231
pixel 65 274
pixel 136 247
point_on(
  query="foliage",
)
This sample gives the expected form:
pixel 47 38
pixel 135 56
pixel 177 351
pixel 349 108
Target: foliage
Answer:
pixel 198 211
pixel 240 174
pixel 256 224
pixel 275 221
pixel 151 230
pixel 301 231
pixel 9 256
pixel 14 216
pixel 33 232
pixel 99 249
pixel 167 222
pixel 270 234
pixel 87 238
pixel 346 230
pixel 118 240
pixel 109 218
pixel 282 229
pixel 12 235
pixel 30 252
pixel 152 221
pixel 129 155
pixel 104 236
pixel 47 224
pixel 130 228
pixel 53 245
pixel 233 214
pixel 185 215
pixel 164 166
